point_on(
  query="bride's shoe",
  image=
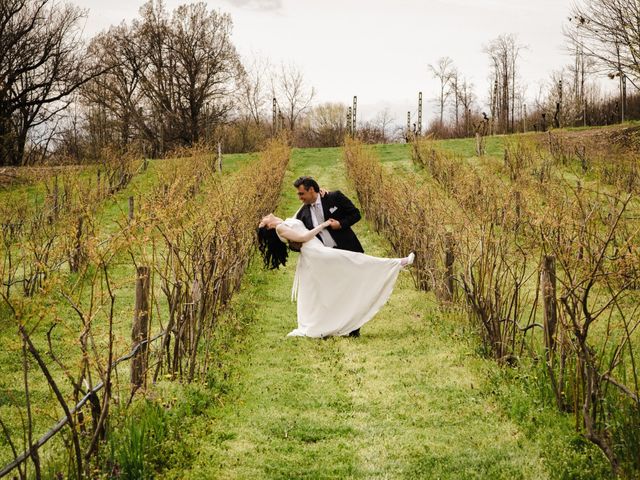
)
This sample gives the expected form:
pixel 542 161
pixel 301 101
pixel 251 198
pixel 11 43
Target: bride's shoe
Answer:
pixel 408 260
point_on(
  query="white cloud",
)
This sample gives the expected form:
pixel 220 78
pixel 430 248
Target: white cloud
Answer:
pixel 264 5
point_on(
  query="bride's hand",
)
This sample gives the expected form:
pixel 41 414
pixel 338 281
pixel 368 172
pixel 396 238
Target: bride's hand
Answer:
pixel 333 224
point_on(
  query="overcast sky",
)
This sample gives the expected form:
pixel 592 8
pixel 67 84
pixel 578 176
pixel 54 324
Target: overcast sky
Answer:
pixel 380 50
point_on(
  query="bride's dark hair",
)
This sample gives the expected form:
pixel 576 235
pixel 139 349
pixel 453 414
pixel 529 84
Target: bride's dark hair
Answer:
pixel 274 251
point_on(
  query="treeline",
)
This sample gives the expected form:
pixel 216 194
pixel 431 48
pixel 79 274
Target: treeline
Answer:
pixel 598 87
pixel 170 79
pixel 165 80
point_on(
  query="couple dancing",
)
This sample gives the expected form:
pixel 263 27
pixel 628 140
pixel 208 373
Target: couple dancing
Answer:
pixel 337 287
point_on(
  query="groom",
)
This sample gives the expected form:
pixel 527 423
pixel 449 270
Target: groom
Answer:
pixel 318 208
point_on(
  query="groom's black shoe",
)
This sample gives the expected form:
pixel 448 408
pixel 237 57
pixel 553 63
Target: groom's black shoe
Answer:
pixel 355 333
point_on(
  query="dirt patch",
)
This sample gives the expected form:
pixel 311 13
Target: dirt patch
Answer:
pixel 606 141
pixel 627 139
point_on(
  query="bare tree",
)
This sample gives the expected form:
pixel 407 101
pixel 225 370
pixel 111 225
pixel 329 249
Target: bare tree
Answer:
pixel 580 70
pixel 504 53
pixel 288 85
pixel 117 93
pixel 608 31
pixel 325 125
pixel 383 121
pixel 207 66
pixel 41 65
pixel 454 85
pixel 171 77
pixel 465 99
pixel 254 94
pixel 443 71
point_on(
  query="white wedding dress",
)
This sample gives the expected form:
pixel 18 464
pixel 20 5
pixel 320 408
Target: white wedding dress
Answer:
pixel 338 291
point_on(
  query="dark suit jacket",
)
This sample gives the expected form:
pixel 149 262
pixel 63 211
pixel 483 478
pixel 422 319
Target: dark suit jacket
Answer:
pixel 336 205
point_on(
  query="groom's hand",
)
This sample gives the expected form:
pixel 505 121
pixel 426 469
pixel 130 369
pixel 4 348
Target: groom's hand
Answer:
pixel 334 224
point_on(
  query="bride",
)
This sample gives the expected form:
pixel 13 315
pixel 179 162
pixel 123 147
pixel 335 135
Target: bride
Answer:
pixel 337 291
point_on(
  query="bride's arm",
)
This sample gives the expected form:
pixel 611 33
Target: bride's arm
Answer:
pixel 295 236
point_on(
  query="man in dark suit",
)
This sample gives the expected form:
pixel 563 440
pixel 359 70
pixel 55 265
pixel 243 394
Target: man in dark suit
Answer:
pixel 318 208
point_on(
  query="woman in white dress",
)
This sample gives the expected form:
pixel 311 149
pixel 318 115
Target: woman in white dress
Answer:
pixel 337 291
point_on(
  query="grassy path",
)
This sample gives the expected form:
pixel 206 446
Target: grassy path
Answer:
pixel 406 400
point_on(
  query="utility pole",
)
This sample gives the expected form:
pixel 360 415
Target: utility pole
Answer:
pixel 623 94
pixel 274 120
pixel 560 122
pixel 419 130
pixel 354 118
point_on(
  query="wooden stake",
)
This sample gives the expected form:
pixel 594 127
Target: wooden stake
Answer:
pixel 131 209
pixel 548 286
pixel 448 261
pixel 78 253
pixel 140 330
pixel 56 201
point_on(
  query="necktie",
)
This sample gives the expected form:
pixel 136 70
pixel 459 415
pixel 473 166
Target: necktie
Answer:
pixel 319 213
pixel 326 237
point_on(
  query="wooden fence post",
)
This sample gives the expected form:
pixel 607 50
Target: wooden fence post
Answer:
pixel 220 157
pixel 140 330
pixel 448 261
pixel 78 252
pixel 548 287
pixel 56 200
pixel 131 209
pixel 518 203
